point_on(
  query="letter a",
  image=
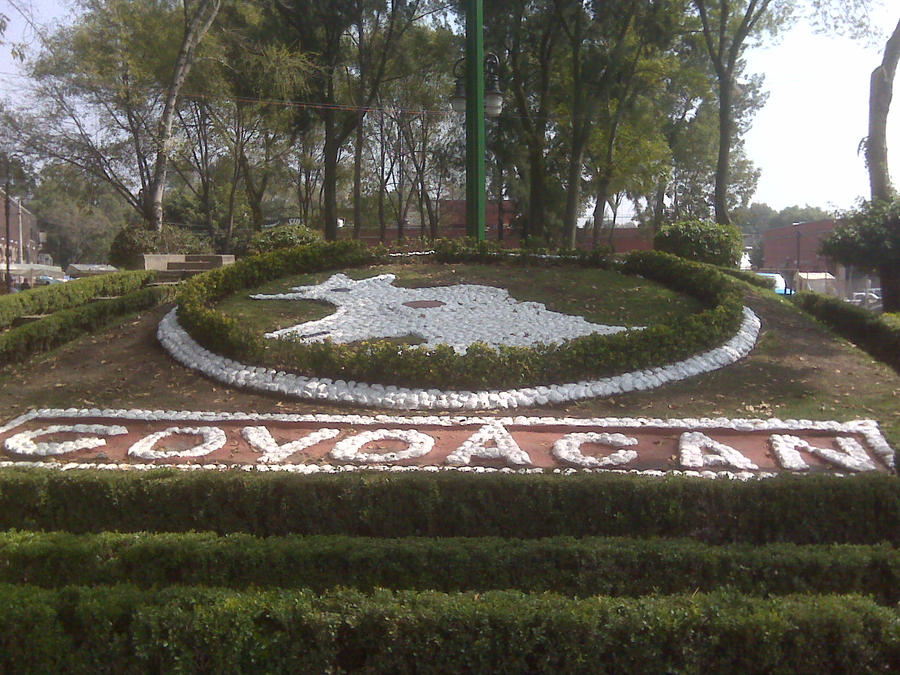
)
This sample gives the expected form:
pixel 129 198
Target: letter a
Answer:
pixel 697 450
pixel 492 441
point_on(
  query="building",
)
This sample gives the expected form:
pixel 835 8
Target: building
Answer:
pixel 793 252
pixel 796 247
pixel 24 238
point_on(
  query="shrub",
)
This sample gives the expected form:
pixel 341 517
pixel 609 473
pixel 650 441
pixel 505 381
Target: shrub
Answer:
pixel 52 298
pixel 703 241
pixel 876 334
pixel 575 567
pixel 132 242
pixel 66 325
pixel 481 366
pixel 802 510
pixel 124 629
pixel 282 236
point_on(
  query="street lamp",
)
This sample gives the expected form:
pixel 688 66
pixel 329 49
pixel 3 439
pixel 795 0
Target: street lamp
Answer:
pixel 493 95
pixel 477 100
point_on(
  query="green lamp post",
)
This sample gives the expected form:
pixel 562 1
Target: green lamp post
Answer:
pixel 470 98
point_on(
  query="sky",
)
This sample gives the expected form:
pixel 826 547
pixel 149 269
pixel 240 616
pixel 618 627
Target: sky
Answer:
pixel 804 140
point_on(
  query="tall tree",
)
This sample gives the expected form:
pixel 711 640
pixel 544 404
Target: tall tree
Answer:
pixel 881 91
pixel 108 89
pixel 726 27
pixel 322 29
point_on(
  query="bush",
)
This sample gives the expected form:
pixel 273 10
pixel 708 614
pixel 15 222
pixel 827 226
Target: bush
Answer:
pixel 132 242
pixel 876 334
pixel 574 567
pixel 124 629
pixel 52 298
pixel 801 510
pixel 481 366
pixel 66 325
pixel 282 236
pixel 702 241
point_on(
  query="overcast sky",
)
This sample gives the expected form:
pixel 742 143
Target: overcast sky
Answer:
pixel 805 140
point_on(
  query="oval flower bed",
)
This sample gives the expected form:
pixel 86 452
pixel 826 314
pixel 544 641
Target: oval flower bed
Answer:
pixel 482 377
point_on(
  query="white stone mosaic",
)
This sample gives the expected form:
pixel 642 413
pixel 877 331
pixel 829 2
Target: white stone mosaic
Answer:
pixel 489 439
pixel 458 315
pixel 186 351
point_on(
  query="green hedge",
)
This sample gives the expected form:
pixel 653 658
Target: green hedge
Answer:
pixel 802 510
pixel 575 567
pixel 701 240
pixel 223 334
pixel 65 325
pixel 55 297
pixel 124 629
pixel 875 334
pixel 751 278
pixel 481 366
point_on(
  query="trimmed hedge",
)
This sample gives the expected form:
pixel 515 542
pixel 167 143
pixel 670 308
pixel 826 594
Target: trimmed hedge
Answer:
pixel 223 334
pixel 481 366
pixel 55 297
pixel 66 325
pixel 875 334
pixel 801 510
pixel 701 240
pixel 575 567
pixel 751 278
pixel 124 629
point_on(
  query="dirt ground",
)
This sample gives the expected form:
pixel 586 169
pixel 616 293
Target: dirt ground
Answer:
pixel 799 369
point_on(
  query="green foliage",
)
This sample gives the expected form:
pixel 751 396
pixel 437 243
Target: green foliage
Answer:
pixel 124 629
pixel 867 238
pixel 878 335
pixel 703 241
pixel 750 277
pixel 223 334
pixel 576 567
pixel 282 236
pixel 481 366
pixel 132 242
pixel 66 325
pixel 55 297
pixel 803 510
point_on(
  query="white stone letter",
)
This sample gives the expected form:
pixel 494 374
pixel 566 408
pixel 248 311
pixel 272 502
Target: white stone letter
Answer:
pixel 213 439
pixel 504 447
pixel 23 443
pixel 261 440
pixel 697 450
pixel 348 449
pixel 568 449
pixel 851 456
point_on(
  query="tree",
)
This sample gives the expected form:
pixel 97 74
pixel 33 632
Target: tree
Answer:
pixel 108 89
pixel 870 237
pixel 322 30
pixel 726 27
pixel 881 90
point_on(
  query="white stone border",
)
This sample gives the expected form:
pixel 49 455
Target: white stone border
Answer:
pixel 868 429
pixel 186 351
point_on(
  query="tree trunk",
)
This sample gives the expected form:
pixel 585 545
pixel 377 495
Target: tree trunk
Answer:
pixel 196 28
pixel 534 226
pixel 573 194
pixel 357 179
pixel 726 96
pixel 329 177
pixel 880 94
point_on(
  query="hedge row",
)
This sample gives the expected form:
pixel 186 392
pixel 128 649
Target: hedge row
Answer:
pixel 873 333
pixel 223 334
pixel 481 366
pixel 65 325
pixel 122 629
pixel 56 297
pixel 802 510
pixel 575 567
pixel 751 278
